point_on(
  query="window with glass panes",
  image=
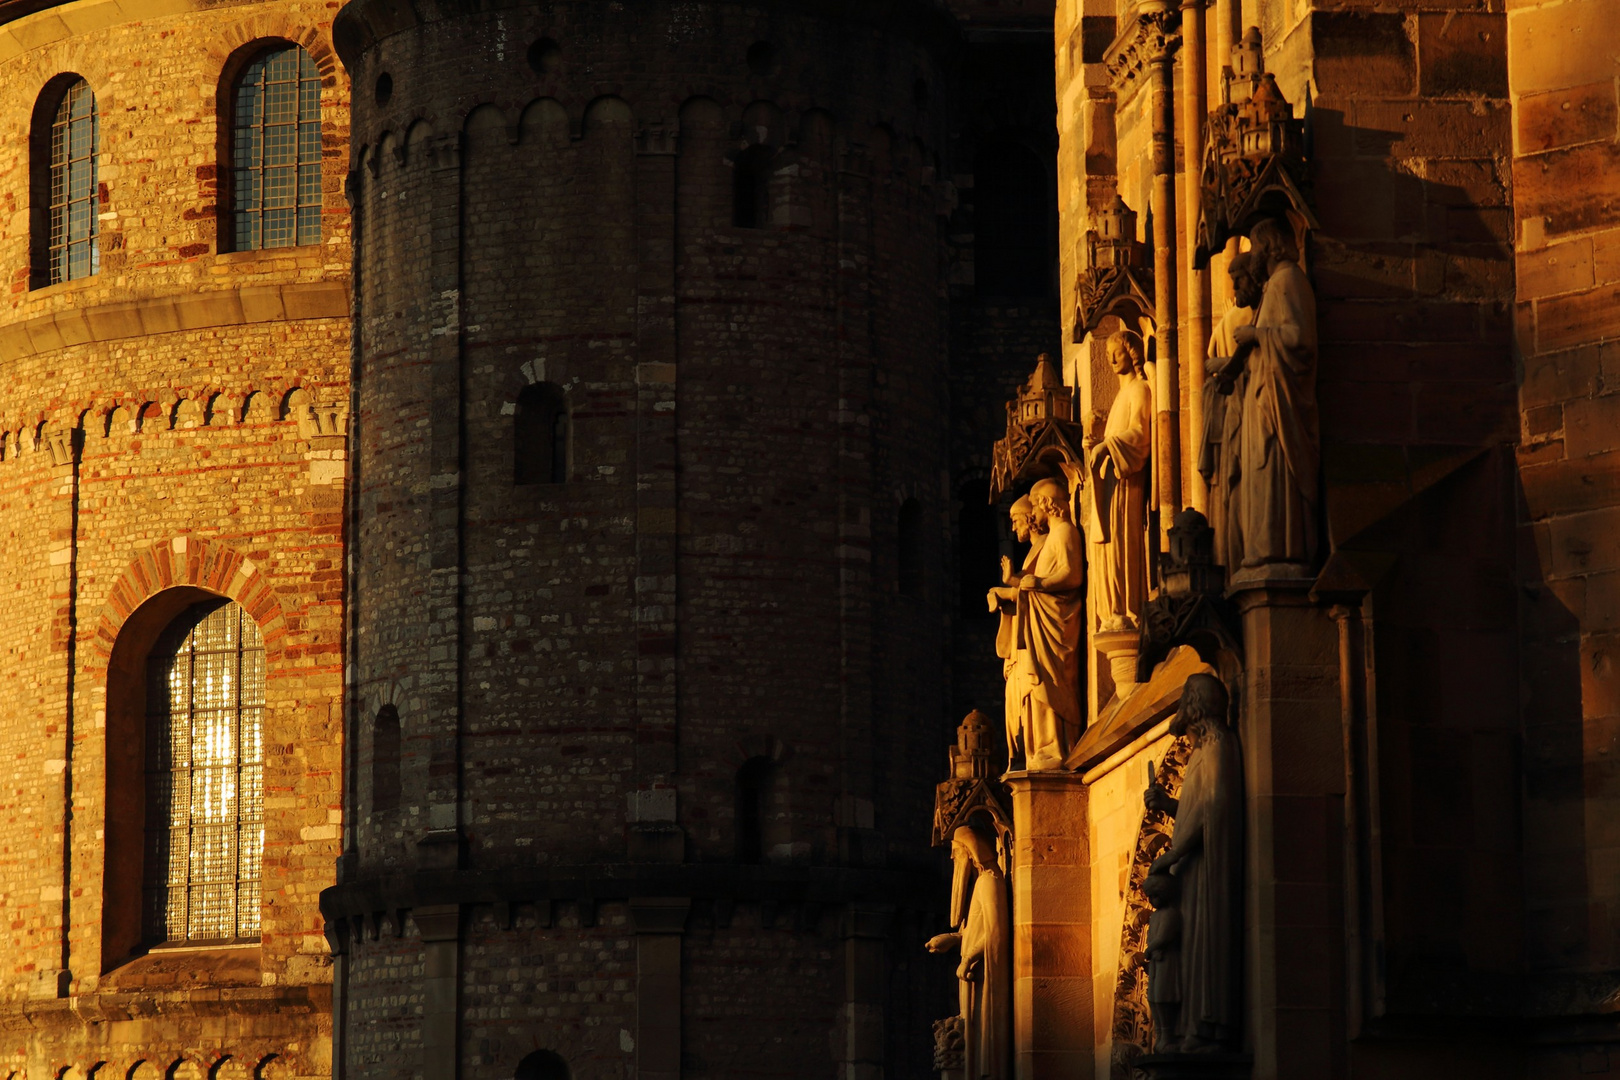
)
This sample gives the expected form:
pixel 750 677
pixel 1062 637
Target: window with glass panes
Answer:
pixel 276 152
pixel 205 777
pixel 75 209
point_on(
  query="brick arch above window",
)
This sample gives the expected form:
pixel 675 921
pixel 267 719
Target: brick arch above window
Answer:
pixel 200 563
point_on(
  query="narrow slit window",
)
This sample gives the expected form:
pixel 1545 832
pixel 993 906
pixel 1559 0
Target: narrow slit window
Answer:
pixel 75 250
pixel 750 192
pixel 276 152
pixel 385 760
pixel 205 777
pixel 540 436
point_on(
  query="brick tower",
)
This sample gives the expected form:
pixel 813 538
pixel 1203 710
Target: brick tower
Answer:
pixel 651 518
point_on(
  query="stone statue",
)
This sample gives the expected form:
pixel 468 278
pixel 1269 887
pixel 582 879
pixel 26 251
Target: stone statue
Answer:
pixel 981 913
pixel 1005 600
pixel 1045 678
pixel 1206 856
pixel 1281 443
pixel 1162 958
pixel 1218 459
pixel 1117 467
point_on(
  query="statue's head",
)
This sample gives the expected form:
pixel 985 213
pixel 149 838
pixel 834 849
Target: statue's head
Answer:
pixel 1161 889
pixel 976 846
pixel 1022 515
pixel 1203 708
pixel 1272 242
pixel 1049 499
pixel 1248 280
pixel 1125 353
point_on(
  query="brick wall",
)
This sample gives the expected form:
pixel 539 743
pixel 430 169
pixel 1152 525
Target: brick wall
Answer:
pixel 158 433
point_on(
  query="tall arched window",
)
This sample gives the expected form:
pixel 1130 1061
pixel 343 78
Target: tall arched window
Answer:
pixel 750 188
pixel 205 776
pixel 385 760
pixel 540 435
pixel 542 1065
pixel 1014 234
pixel 910 548
pixel 275 177
pixel 66 192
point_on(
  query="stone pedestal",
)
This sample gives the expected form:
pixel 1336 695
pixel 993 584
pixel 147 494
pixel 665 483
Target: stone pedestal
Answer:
pixel 1051 881
pixel 1290 728
pixel 1121 647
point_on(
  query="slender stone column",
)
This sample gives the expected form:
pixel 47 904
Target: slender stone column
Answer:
pixel 1167 388
pixel 1054 1029
pixel 660 922
pixel 440 927
pixel 1194 110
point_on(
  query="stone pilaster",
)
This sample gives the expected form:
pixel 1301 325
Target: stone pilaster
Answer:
pixel 1051 877
pixel 1294 775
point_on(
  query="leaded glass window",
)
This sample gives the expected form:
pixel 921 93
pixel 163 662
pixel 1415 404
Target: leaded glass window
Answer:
pixel 75 208
pixel 205 777
pixel 276 152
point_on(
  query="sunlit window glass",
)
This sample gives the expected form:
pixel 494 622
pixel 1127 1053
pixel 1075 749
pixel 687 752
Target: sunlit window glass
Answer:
pixel 75 141
pixel 276 152
pixel 205 777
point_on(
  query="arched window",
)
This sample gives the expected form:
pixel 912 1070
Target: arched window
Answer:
pixel 385 760
pixel 542 1065
pixel 66 191
pixel 205 776
pixel 275 175
pixel 1014 236
pixel 540 435
pixel 911 548
pixel 978 548
pixel 750 188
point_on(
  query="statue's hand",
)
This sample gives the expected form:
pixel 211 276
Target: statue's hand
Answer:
pixel 1245 335
pixel 943 942
pixel 992 601
pixel 1162 864
pixel 1096 456
pixel 1156 798
pixel 1027 582
pixel 968 970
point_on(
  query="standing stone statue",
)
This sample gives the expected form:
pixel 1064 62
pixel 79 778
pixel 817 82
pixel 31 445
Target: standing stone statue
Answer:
pixel 1046 653
pixel 1162 958
pixel 1206 856
pixel 1281 440
pixel 1218 458
pixel 1118 482
pixel 981 914
pixel 1004 599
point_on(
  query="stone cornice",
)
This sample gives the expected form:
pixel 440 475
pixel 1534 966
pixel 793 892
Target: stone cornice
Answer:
pixel 170 314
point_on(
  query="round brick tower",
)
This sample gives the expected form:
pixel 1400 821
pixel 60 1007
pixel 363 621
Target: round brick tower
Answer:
pixel 647 630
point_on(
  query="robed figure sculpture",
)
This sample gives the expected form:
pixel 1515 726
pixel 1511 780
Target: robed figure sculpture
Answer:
pixel 1004 600
pixel 1219 460
pixel 1118 482
pixel 1206 857
pixel 1281 438
pixel 981 913
pixel 1046 629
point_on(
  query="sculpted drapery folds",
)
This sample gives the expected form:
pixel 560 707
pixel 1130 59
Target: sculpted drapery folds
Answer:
pixel 1045 678
pixel 1004 600
pixel 1219 460
pixel 1206 857
pixel 1118 482
pixel 1281 441
pixel 981 916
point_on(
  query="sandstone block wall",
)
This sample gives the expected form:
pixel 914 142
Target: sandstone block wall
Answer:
pixel 175 422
